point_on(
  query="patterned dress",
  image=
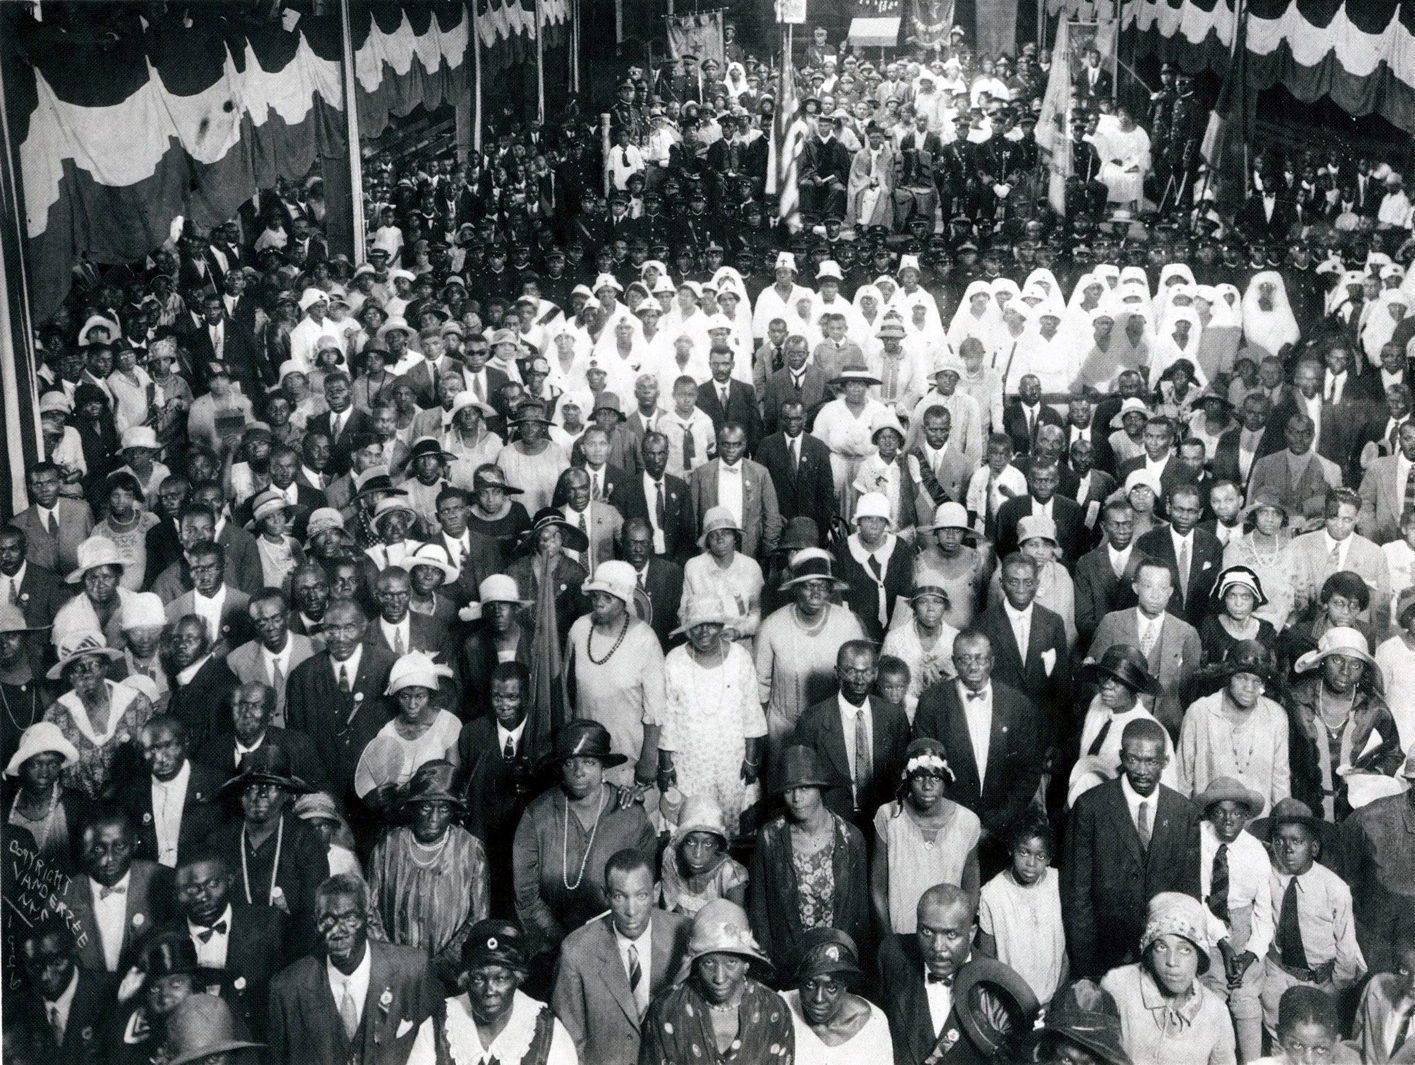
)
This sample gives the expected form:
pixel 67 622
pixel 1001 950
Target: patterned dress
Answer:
pixel 678 1028
pixel 102 755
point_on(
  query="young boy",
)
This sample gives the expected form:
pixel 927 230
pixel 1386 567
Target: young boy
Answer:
pixel 992 485
pixel 1233 880
pixel 1309 1029
pixel 689 430
pixel 1315 939
pixel 892 679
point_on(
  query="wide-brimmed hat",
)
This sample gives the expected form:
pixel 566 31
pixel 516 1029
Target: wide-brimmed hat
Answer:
pixel 415 670
pixel 43 737
pixel 721 927
pixel 1289 811
pixel 615 578
pixel 1266 497
pixel 267 764
pixel 703 610
pixel 1175 913
pixel 1227 789
pixel 855 372
pixel 801 768
pixel 494 942
pixel 701 813
pixel 532 411
pixel 825 951
pixel 993 1003
pixel 394 324
pixel 94 552
pixel 425 446
pixel 809 564
pixel 436 556
pixel 376 479
pixel 12 619
pixel 1085 1014
pixel 1338 641
pixel 717 518
pixel 1130 406
pixel 201 1026
pixel 432 782
pixel 266 502
pixel 1239 577
pixel 77 644
pixel 1127 665
pixel 1215 393
pixel 492 476
pixel 391 505
pixel 462 400
pixel 549 517
pixel 584 738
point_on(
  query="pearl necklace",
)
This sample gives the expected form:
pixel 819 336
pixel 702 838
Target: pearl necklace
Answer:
pixel 435 850
pixel 565 844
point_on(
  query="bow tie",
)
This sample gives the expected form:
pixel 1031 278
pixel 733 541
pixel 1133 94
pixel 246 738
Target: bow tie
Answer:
pixel 978 696
pixel 218 927
pixel 946 981
pixel 730 469
pixel 104 892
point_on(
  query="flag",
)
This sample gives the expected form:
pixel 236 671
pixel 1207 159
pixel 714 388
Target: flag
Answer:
pixel 1053 125
pixel 1225 145
pixel 788 137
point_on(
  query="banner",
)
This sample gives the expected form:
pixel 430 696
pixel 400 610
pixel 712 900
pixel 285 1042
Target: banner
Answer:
pixel 699 35
pixel 1053 123
pixel 929 23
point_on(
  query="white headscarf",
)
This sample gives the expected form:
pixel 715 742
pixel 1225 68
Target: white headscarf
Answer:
pixel 965 323
pixel 1167 350
pixel 1271 329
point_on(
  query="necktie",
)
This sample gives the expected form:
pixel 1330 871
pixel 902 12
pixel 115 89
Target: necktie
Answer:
pixel 216 340
pixel 1335 557
pixel 508 753
pixel 1183 569
pixel 1289 929
pixel 344 679
pixel 1099 741
pixel 636 980
pixel 1148 637
pixel 218 928
pixel 1117 567
pixel 625 154
pixel 1394 437
pixel 946 981
pixel 349 1013
pixel 1218 885
pixel 1402 1035
pixel 1143 825
pixel 14 596
pixel 722 397
pixel 104 892
pixel 595 491
pixel 277 677
pixel 1019 632
pixel 479 387
pixel 52 524
pixel 56 1024
pixel 399 647
pixel 659 514
pixel 689 449
pixel 795 446
pixel 862 755
pixel 1409 502
pixel 1031 425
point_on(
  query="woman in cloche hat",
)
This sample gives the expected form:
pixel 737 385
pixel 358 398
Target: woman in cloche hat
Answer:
pixel 833 1025
pixel 724 572
pixel 717 1003
pixel 51 812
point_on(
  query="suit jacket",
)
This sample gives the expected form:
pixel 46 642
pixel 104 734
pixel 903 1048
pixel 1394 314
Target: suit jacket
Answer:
pixel 219 752
pixel 1026 671
pixel 41 595
pixel 602 524
pixel 906 1005
pixel 149 901
pixel 1379 1000
pixel 426 634
pixel 236 625
pixel 1108 878
pixel 243 568
pixel 821 729
pixel 240 352
pixel 664 585
pixel 1099 591
pixel 340 725
pixel 680 534
pixel 947 482
pixel 1014 751
pixel 761 520
pixel 1308 555
pixel 163 549
pixel 84 1044
pixel 200 812
pixel 804 492
pixel 1382 501
pixel 592 996
pixel 254 954
pixel 1101 90
pixel 741 408
pixel 58 554
pixel 247 662
pixel 1172 659
pixel 779 387
pixel 1226 455
pixel 1070 520
pixel 304 1018
pixel 341 453
pixel 1014 424
pixel 1306 498
pixel 1205 563
pixel 204 703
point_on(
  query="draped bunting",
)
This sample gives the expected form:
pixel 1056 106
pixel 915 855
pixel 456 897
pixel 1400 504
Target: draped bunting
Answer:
pixel 191 117
pixel 1361 53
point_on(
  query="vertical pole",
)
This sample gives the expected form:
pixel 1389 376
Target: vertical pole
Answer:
pixel 351 132
pixel 1041 27
pixel 540 64
pixel 476 75
pixel 575 46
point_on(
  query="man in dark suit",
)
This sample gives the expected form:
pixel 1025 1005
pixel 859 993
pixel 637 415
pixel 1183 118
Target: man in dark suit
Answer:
pixel 1104 576
pixel 1195 554
pixel 200 697
pixel 336 698
pixel 1159 458
pixel 660 578
pixel 399 630
pixel 1042 497
pixel 799 466
pixel 1042 669
pixel 663 501
pixel 252 706
pixel 163 541
pixel 239 945
pixel 309 1022
pixel 221 340
pixel 877 729
pixel 824 171
pixel 1049 445
pixel 1267 216
pixel 799 380
pixel 1024 415
pixel 740 404
pixel 1239 449
pixel 1127 840
pixel 116 897
pixel 62 1006
pixel 211 594
pixel 999 788
pixel 174 803
pixel 601 991
pixel 35 590
pixel 922 978
pixel 342 423
pixel 1092 82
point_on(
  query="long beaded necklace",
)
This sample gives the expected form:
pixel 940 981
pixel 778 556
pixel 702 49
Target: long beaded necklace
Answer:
pixel 33 694
pixel 435 850
pixel 1269 561
pixel 589 643
pixel 565 844
pixel 274 866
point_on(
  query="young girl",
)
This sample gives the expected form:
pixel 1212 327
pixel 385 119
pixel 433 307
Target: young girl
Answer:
pixel 280 553
pixel 696 868
pixel 924 646
pixel 884 472
pixel 1019 910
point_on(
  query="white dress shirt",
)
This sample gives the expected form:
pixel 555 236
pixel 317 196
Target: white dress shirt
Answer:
pixel 940 997
pixel 168 801
pixel 1249 870
pixel 1336 385
pixel 351 664
pixel 1144 624
pixel 729 489
pixel 111 916
pixel 978 713
pixel 1119 559
pixel 1021 622
pixel 270 659
pixel 1134 800
pixel 10 586
pixel 393 631
pixel 209 610
pixel 212 953
pixel 242 751
pixel 514 735
pixel 184 677
pixel 357 982
pixel 849 713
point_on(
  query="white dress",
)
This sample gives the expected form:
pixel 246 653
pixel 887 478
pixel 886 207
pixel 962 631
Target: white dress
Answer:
pixel 1025 922
pixel 871 1045
pixel 710 714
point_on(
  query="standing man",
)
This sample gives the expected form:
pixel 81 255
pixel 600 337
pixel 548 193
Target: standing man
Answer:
pixel 1337 546
pixel 663 501
pixel 742 486
pixel 1030 647
pixel 275 651
pixel 1194 553
pixel 798 463
pixel 174 803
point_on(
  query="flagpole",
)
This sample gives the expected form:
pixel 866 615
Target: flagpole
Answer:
pixel 476 75
pixel 351 132
pixel 540 65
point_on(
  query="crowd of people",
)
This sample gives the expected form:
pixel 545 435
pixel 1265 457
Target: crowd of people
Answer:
pixel 633 629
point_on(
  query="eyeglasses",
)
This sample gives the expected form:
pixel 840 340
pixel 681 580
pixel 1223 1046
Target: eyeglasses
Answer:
pixel 346 921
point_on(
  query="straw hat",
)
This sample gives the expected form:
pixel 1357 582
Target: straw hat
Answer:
pixel 855 372
pixel 436 556
pixel 1227 789
pixel 77 644
pixel 12 619
pixel 717 518
pixel 1337 641
pixel 703 610
pixel 614 578
pixel 94 552
pixel 390 505
pixel 462 400
pixel 140 437
pixel 43 737
pixel 323 520
pixel 415 669
pixel 1130 406
pixel 267 502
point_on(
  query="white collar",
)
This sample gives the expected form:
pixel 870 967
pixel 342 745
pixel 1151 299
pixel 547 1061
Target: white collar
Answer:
pixel 281 656
pixel 1015 615
pixel 125 883
pixel 358 980
pixel 227 915
pixel 351 663
pixel 514 735
pixel 179 782
pixel 1144 622
pixel 184 677
pixel 964 692
pixel 64 1003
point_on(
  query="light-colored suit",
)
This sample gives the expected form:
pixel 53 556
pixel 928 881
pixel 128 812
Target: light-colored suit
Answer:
pixel 1381 997
pixel 592 996
pixel 59 554
pixel 1311 562
pixel 247 662
pixel 1304 499
pixel 1172 659
pixel 235 621
pixel 761 517
pixel 1382 500
pixel 602 523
